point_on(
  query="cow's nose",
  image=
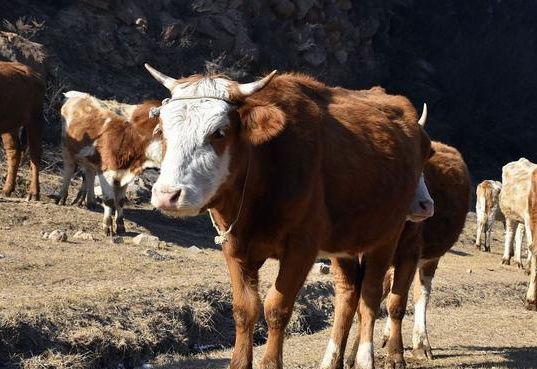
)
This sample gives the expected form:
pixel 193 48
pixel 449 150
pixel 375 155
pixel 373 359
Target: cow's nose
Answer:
pixel 427 206
pixel 165 199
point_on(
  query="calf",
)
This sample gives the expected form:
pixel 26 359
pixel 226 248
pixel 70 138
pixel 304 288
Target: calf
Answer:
pixel 21 106
pixel 291 168
pixel 418 252
pixel 514 201
pixel 115 147
pixel 487 210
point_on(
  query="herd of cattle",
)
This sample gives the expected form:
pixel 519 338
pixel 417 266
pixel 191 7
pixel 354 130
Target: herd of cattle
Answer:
pixel 291 169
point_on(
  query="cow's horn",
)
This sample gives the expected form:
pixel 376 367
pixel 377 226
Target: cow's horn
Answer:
pixel 168 82
pixel 423 117
pixel 246 89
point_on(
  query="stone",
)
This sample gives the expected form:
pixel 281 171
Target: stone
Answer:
pixel 156 255
pixel 2 256
pixel 117 240
pixel 146 240
pixel 83 236
pixel 194 249
pixel 469 271
pixel 57 235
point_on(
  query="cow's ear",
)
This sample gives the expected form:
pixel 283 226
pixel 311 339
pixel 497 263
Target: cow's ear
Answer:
pixel 261 123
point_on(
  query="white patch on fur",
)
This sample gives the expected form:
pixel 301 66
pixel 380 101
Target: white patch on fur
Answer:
pixel 153 153
pixel 422 196
pixel 190 163
pixel 364 356
pixel 330 355
pixel 419 335
pixel 388 327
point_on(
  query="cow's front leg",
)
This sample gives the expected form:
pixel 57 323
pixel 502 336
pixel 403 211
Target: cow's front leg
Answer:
pixel 120 202
pixel 246 303
pixel 294 267
pixel 346 301
pixel 531 295
pixel 13 155
pixel 376 265
pixel 108 205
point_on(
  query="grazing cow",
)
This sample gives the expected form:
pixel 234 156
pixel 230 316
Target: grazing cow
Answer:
pixel 514 200
pixel 115 147
pixel 518 201
pixel 290 168
pixel 21 106
pixel 487 210
pixel 420 248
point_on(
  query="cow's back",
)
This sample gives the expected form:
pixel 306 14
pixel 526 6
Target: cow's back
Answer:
pixel 371 143
pixel 21 95
pixel 516 185
pixel 448 181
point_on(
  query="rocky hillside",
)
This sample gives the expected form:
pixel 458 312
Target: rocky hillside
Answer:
pixel 471 61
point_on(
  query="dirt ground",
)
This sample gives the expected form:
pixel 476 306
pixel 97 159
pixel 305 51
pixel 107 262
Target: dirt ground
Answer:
pixel 100 304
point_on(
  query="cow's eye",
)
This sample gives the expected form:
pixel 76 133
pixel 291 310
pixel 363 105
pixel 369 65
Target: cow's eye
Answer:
pixel 218 134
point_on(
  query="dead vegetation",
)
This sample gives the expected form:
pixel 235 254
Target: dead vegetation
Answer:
pixel 98 304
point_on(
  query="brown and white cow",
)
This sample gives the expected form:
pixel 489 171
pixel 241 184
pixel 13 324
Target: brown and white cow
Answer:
pixel 419 250
pixel 517 201
pixel 111 140
pixel 21 106
pixel 514 202
pixel 291 168
pixel 487 210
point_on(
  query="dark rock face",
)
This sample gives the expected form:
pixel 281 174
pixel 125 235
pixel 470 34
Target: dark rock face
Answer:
pixel 472 62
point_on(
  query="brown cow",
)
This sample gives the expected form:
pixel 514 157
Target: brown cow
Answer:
pixel 21 106
pixel 114 141
pixel 291 168
pixel 420 248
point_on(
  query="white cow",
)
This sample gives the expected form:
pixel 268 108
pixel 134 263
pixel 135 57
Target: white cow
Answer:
pixel 487 209
pixel 514 197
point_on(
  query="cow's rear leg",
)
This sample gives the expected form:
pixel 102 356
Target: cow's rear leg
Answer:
pixel 422 292
pixel 108 206
pixel 519 239
pixel 405 265
pixel 480 226
pixel 376 265
pixel 294 267
pixel 488 234
pixel 34 146
pixel 89 175
pixel 69 166
pixel 13 156
pixel 346 303
pixel 510 227
pixel 531 296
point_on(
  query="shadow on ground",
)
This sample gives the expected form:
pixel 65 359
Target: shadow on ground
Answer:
pixel 185 232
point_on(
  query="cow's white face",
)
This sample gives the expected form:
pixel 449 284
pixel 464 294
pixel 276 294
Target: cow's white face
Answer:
pixel 422 206
pixel 196 127
pixel 192 170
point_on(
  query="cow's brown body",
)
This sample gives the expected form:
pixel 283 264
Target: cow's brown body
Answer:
pixel 21 106
pixel 107 144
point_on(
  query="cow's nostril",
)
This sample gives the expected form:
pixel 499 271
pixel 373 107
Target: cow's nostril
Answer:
pixel 175 197
pixel 423 205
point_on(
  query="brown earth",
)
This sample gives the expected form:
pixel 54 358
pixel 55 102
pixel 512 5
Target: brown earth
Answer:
pixel 98 304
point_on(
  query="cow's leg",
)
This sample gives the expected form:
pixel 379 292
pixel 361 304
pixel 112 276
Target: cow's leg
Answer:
pixel 510 226
pixel 405 265
pixel 108 204
pixel 34 146
pixel 422 292
pixel 519 239
pixel 89 176
pixel 69 165
pixel 13 156
pixel 120 202
pixel 531 296
pixel 246 303
pixel 488 231
pixel 346 302
pixel 376 265
pixel 294 267
pixel 480 226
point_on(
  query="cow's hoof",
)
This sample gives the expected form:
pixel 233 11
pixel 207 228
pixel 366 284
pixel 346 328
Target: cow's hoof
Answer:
pixel 349 363
pixel 32 197
pixel 120 230
pixel 531 305
pixel 422 353
pixel 108 231
pixel 384 341
pixel 91 205
pixel 519 265
pixel 395 361
pixel 7 193
pixel 506 261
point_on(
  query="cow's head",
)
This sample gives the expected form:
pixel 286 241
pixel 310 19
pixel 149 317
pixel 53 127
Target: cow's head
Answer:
pixel 201 123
